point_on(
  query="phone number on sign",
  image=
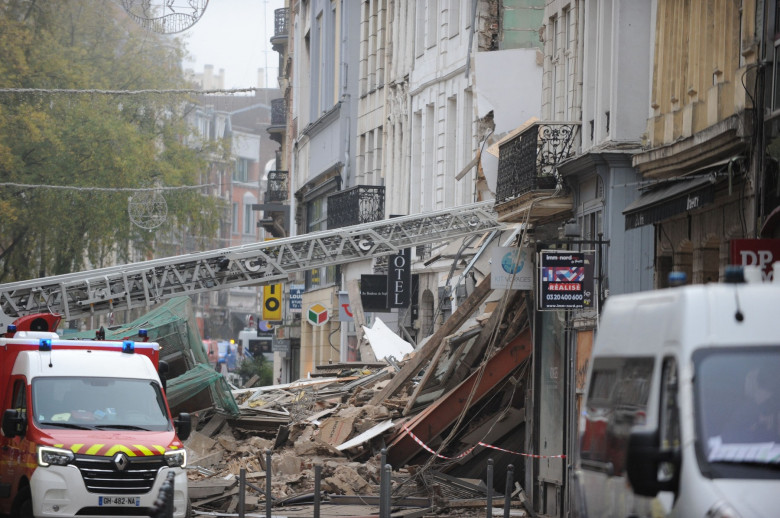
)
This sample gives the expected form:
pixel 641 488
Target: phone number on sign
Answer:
pixel 563 296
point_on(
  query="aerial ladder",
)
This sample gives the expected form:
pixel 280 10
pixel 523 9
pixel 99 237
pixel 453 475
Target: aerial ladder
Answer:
pixel 146 283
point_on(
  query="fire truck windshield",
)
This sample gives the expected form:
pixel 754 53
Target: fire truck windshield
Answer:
pixel 104 403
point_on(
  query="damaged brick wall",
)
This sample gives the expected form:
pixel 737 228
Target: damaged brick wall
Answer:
pixel 488 25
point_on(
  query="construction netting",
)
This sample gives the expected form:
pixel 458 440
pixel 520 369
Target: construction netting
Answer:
pixel 193 384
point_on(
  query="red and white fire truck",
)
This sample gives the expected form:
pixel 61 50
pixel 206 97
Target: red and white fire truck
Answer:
pixel 86 428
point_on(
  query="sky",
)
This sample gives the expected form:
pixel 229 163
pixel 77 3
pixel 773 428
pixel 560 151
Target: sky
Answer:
pixel 234 35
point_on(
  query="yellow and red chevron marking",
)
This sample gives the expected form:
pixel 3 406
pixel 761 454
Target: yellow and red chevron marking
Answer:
pixel 108 450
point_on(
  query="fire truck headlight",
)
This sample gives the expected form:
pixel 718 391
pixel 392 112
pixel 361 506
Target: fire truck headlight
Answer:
pixel 48 456
pixel 176 459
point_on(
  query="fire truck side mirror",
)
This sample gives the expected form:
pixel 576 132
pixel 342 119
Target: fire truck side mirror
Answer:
pixel 162 371
pixel 183 426
pixel 14 423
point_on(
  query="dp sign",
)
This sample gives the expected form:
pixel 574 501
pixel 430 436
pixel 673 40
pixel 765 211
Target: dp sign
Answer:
pixel 756 252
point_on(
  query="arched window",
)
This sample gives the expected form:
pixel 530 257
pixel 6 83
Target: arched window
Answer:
pixel 426 314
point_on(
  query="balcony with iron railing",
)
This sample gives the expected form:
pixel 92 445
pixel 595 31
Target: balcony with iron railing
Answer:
pixel 281 28
pixel 360 204
pixel 276 188
pixel 278 119
pixel 528 177
pixel 276 212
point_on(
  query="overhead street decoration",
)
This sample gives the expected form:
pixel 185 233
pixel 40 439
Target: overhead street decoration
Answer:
pixel 143 284
pixel 165 16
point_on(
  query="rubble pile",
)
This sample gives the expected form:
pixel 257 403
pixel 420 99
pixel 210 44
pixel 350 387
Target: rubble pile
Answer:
pixel 459 394
pixel 300 425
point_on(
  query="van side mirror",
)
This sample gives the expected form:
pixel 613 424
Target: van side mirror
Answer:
pixel 183 426
pixel 14 423
pixel 649 468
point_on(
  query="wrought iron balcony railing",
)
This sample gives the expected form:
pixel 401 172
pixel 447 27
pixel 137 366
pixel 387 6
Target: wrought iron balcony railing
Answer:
pixel 281 21
pixel 279 112
pixel 529 161
pixel 360 204
pixel 276 189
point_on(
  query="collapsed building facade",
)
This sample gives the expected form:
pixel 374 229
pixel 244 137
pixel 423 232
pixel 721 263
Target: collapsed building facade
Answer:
pixel 592 138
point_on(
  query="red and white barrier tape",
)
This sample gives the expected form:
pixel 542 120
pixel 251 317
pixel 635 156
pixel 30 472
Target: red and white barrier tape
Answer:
pixel 480 443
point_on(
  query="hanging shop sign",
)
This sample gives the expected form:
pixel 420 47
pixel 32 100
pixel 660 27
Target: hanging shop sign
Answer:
pixel 511 268
pixel 317 315
pixel 399 280
pixel 272 302
pixel 565 280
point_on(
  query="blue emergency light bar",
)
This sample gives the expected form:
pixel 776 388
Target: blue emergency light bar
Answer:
pixel 44 344
pixel 128 346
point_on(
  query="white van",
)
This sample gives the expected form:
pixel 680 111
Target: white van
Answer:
pixel 254 343
pixel 682 416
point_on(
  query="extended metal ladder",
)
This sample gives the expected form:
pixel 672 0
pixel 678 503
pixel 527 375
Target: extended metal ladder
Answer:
pixel 143 284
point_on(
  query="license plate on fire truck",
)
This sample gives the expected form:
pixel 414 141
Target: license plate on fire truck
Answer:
pixel 119 501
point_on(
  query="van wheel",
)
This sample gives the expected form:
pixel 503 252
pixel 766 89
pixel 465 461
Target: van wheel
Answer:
pixel 22 506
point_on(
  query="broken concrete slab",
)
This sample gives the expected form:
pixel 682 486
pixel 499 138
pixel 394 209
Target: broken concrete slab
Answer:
pixel 287 464
pixel 199 444
pixel 336 430
pixel 366 436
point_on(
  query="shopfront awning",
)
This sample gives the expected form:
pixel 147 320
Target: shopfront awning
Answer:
pixel 669 200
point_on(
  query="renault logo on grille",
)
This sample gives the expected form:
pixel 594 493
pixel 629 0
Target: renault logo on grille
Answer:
pixel 121 461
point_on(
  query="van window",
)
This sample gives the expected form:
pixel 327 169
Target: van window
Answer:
pixel 617 400
pixel 669 428
pixel 669 420
pixel 260 346
pixel 737 409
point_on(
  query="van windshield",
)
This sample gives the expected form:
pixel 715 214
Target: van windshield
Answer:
pixel 737 400
pixel 99 403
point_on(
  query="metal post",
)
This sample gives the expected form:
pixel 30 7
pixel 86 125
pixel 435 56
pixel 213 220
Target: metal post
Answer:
pixel 268 483
pixel 163 504
pixel 384 491
pixel 382 482
pixel 241 492
pixel 317 478
pixel 490 488
pixel 510 471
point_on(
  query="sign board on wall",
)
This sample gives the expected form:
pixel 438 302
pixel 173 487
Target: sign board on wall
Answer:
pixel 756 252
pixel 511 268
pixel 345 310
pixel 296 297
pixel 373 292
pixel 281 345
pixel 565 280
